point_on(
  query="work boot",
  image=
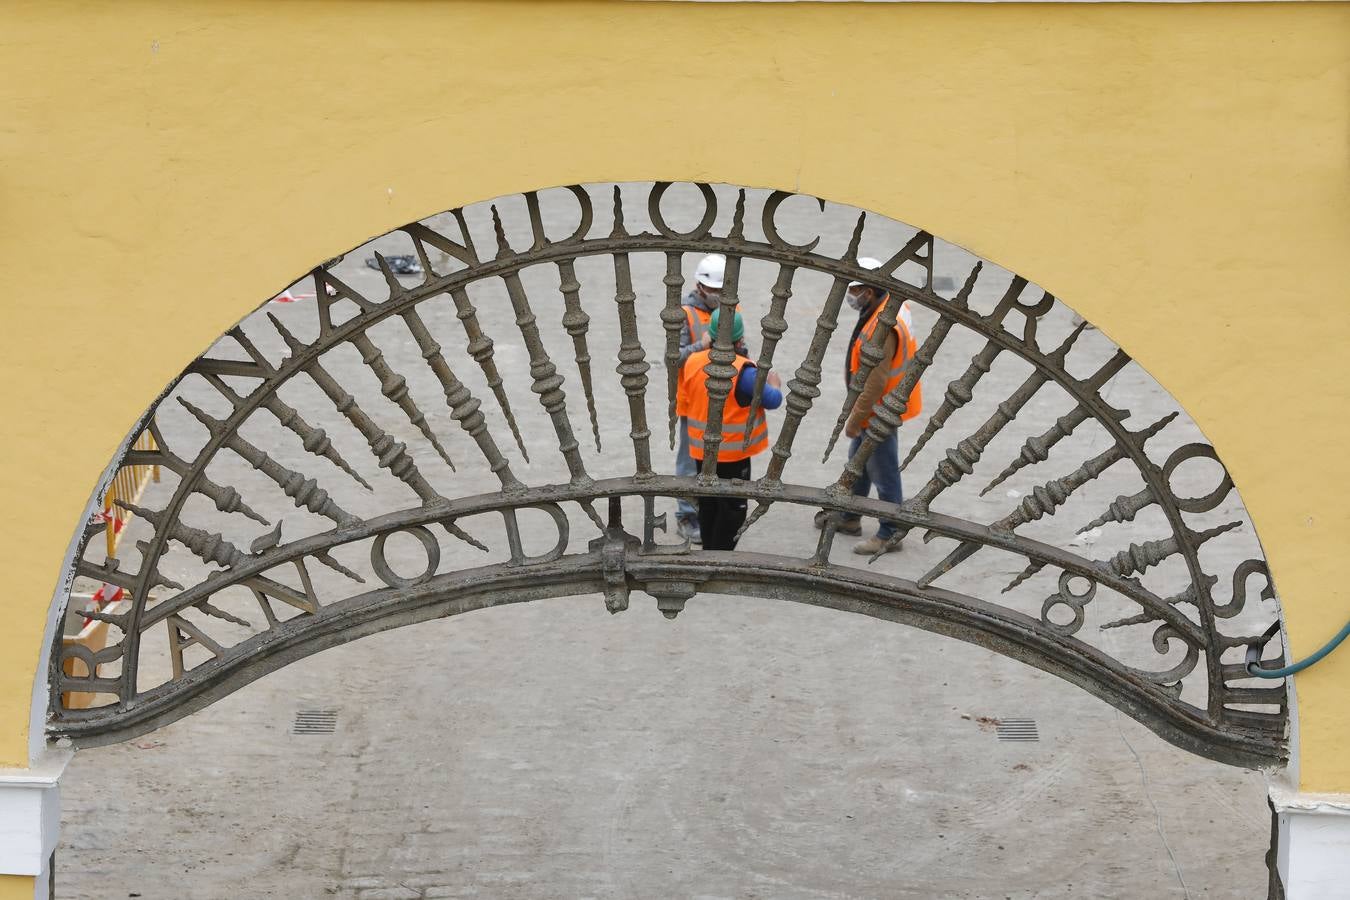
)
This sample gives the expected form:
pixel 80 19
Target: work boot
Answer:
pixel 687 527
pixel 841 525
pixel 875 544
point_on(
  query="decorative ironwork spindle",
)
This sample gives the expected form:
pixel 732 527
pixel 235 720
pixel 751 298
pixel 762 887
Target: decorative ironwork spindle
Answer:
pixel 1125 508
pixel 314 440
pixel 480 348
pixel 672 314
pixel 464 407
pixel 1122 509
pixel 1043 499
pixel 1037 449
pixel 673 320
pixel 226 498
pixel 1137 558
pixel 395 387
pixel 1190 595
pixel 632 366
pixel 804 387
pixel 111 572
pixel 721 371
pixel 576 322
pixel 304 492
pixel 480 345
pixel 547 381
pixel 961 391
pixel 392 455
pixel 772 328
pixel 205 545
pixel 962 458
pixel 209 547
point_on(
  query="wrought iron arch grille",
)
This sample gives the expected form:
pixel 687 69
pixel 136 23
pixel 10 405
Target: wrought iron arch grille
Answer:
pixel 341 409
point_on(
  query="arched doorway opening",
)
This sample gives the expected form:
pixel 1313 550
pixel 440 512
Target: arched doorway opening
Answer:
pixel 433 428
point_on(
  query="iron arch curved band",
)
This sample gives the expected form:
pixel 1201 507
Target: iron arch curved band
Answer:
pixel 671 486
pixel 757 575
pixel 1236 723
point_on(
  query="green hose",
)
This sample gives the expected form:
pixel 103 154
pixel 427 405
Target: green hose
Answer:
pixel 1254 654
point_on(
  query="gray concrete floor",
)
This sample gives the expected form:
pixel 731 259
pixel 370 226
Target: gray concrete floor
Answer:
pixel 748 749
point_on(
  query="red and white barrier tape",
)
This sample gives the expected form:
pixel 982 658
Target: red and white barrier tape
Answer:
pixel 288 297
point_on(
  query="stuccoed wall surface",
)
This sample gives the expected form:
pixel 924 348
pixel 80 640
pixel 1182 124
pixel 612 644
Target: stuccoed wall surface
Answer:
pixel 1175 172
pixel 16 887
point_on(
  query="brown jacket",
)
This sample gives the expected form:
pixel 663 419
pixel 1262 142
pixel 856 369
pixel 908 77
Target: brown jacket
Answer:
pixel 873 389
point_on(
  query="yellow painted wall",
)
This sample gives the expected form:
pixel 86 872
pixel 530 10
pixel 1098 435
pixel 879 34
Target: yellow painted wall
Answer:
pixel 16 887
pixel 1179 173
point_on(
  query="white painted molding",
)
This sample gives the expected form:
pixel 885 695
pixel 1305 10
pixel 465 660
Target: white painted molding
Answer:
pixel 30 814
pixel 1291 800
pixel 1314 843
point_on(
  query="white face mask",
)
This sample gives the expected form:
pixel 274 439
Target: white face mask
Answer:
pixel 855 301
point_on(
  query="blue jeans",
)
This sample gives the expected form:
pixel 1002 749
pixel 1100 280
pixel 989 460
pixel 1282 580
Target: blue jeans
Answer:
pixel 883 470
pixel 685 465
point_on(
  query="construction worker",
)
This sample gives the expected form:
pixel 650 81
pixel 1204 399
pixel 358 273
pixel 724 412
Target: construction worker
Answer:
pixel 721 517
pixel 898 349
pixel 699 304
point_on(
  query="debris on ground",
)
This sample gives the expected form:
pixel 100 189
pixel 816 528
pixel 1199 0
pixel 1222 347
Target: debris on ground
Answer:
pixel 986 723
pixel 399 265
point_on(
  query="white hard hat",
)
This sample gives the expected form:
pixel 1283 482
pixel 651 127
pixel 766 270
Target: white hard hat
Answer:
pixel 711 269
pixel 865 262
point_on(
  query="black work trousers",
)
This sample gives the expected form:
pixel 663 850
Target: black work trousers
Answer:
pixel 719 518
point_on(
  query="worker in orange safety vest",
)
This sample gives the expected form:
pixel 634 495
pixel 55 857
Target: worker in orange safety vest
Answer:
pixel 898 351
pixel 698 307
pixel 720 518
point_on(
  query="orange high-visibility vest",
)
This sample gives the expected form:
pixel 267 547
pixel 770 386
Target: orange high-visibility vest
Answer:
pixel 699 320
pixel 905 348
pixel 691 401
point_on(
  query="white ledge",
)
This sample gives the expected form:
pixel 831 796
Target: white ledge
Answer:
pixel 44 772
pixel 1314 842
pixel 1288 799
pixel 30 813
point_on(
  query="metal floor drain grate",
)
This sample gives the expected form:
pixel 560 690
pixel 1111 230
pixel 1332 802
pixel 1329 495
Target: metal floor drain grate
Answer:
pixel 1018 730
pixel 315 721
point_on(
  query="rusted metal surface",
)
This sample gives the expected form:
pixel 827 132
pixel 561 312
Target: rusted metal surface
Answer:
pixel 262 593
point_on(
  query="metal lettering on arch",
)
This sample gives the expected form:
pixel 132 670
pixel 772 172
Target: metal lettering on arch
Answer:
pixel 437 411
